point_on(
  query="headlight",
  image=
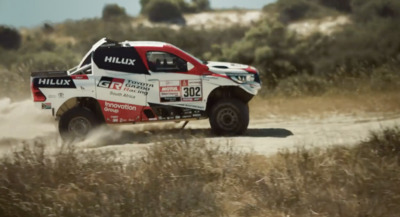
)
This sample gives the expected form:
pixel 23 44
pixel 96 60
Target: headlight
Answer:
pixel 242 78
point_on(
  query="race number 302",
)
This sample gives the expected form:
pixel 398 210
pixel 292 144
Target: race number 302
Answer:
pixel 191 90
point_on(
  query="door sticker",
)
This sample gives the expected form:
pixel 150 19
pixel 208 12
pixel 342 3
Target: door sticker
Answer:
pixel 170 91
pixel 115 112
pixel 180 91
pixel 191 90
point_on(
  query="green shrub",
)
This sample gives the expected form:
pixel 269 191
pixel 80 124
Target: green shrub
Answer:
pixel 113 11
pixel 369 10
pixel 292 10
pixel 10 38
pixel 302 85
pixel 43 61
pixel 164 11
pixel 193 6
pixel 341 5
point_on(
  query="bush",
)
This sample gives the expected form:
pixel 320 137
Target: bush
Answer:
pixel 341 5
pixel 369 10
pixel 113 11
pixel 357 47
pixel 302 85
pixel 164 11
pixel 201 5
pixel 44 61
pixel 9 38
pixel 292 10
pixel 183 5
pixel 272 49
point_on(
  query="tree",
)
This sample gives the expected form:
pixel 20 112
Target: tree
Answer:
pixel 183 6
pixel 9 38
pixel 292 10
pixel 164 11
pixel 369 10
pixel 113 11
pixel 340 5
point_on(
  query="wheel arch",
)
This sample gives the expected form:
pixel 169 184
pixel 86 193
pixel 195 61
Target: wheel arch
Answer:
pixel 87 102
pixel 227 92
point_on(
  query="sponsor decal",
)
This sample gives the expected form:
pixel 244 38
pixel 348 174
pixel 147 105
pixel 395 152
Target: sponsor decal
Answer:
pixel 117 106
pixel 115 112
pixel 124 85
pixel 65 82
pixel 112 93
pixel 112 83
pixel 170 91
pixel 46 105
pixel 184 83
pixel 137 87
pixel 114 119
pixel 118 60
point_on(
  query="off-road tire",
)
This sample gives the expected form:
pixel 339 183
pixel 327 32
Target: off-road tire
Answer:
pixel 77 123
pixel 229 117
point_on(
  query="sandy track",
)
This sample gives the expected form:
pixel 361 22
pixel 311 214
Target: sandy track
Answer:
pixel 21 123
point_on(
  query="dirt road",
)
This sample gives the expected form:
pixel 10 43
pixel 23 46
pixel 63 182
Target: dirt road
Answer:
pixel 21 123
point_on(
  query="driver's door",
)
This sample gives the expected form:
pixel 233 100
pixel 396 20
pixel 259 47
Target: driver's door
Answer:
pixel 176 93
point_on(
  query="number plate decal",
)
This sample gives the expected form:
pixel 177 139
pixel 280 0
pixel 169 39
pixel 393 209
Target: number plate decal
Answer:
pixel 181 91
pixel 191 90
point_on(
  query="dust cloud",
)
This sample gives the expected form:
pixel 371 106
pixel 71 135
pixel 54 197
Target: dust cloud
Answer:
pixel 22 120
pixel 24 123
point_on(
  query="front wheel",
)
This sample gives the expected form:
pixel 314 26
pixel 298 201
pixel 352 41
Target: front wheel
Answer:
pixel 77 123
pixel 229 117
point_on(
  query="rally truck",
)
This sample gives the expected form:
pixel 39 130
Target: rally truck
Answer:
pixel 143 82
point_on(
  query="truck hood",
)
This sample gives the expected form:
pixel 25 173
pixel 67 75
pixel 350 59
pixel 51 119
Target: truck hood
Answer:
pixel 226 67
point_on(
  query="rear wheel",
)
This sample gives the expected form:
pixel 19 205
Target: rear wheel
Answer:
pixel 77 123
pixel 229 117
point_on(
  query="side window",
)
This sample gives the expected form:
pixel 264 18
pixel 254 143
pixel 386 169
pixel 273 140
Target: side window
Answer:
pixel 165 62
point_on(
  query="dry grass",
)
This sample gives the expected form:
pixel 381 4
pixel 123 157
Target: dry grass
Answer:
pixel 194 178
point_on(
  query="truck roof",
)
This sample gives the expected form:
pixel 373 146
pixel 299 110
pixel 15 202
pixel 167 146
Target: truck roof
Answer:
pixel 145 43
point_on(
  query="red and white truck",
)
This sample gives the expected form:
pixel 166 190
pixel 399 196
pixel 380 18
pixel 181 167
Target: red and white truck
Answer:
pixel 145 81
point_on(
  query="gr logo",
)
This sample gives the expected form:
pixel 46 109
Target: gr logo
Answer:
pixel 112 83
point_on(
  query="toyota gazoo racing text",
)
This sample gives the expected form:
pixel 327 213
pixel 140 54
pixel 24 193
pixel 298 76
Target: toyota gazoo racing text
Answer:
pixel 145 81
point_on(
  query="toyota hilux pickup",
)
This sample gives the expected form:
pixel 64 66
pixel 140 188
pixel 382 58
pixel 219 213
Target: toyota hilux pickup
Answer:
pixel 143 82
